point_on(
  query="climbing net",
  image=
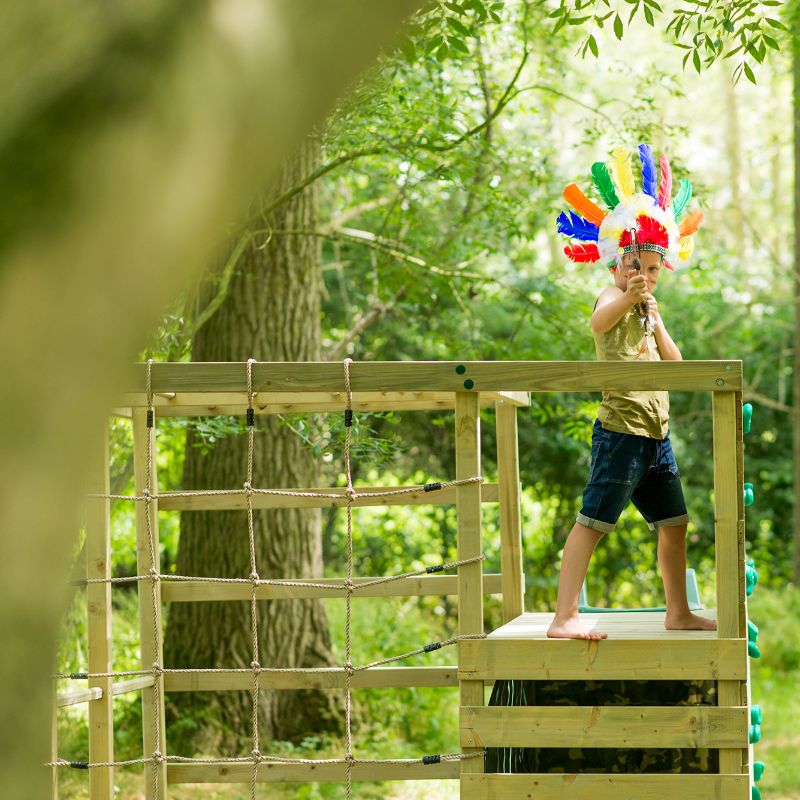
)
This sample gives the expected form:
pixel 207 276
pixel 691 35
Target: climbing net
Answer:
pixel 348 586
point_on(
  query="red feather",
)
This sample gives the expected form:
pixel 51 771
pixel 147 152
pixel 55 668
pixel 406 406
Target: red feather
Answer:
pixel 582 253
pixel 665 187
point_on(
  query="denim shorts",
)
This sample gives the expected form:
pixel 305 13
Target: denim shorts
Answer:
pixel 628 467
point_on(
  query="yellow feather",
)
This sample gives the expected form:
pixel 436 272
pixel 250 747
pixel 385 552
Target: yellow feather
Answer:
pixel 685 247
pixel 623 174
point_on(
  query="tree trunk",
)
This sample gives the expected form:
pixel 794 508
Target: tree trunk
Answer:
pixel 271 313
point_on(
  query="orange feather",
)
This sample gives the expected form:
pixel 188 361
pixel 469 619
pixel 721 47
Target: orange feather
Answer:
pixel 583 205
pixel 691 223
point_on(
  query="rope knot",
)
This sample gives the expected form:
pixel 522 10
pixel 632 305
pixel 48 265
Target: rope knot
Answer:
pixel 157 669
pixel 254 576
pixel 146 493
pixel 257 757
pixel 255 666
pixel 153 573
pixel 349 584
pixel 248 487
pixel 351 493
pixel 350 759
pixel 158 757
pixel 348 667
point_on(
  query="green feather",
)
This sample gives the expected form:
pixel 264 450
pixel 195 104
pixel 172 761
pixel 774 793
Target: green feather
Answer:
pixel 682 199
pixel 604 185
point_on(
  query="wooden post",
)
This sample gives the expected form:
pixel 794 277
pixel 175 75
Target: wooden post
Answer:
pixel 470 576
pixel 510 524
pixel 98 605
pixel 728 532
pixel 151 641
pixel 54 745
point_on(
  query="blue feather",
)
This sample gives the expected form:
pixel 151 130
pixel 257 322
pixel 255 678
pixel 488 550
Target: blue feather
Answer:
pixel 576 227
pixel 649 178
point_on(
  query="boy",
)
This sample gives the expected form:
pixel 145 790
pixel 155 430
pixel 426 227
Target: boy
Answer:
pixel 632 458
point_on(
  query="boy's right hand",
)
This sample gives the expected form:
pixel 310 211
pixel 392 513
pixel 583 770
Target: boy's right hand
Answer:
pixel 637 287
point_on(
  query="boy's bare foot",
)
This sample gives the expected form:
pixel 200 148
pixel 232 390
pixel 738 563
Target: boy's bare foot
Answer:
pixel 688 622
pixel 573 628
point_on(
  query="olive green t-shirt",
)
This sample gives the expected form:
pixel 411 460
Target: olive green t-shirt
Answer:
pixel 639 413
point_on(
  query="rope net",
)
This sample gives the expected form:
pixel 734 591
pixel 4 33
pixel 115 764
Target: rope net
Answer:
pixel 348 586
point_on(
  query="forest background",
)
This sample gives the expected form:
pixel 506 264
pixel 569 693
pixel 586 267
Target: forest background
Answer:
pixel 417 223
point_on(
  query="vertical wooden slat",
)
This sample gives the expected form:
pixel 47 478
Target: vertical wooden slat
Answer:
pixel 149 617
pixel 510 524
pixel 54 746
pixel 470 576
pixel 729 550
pixel 98 605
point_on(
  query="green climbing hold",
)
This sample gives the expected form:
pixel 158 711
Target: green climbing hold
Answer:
pixel 752 650
pixel 755 714
pixel 747 417
pixel 758 770
pixel 749 494
pixel 752 631
pixel 754 735
pixel 750 579
pixel 755 793
pixel 460 369
pixel 468 384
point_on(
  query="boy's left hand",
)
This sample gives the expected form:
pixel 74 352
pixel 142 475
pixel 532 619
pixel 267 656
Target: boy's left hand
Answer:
pixel 652 307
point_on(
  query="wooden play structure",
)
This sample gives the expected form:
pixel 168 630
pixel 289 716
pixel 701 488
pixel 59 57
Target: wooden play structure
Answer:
pixel 638 647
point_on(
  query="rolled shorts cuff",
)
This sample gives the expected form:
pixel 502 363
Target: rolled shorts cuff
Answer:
pixel 596 524
pixel 683 519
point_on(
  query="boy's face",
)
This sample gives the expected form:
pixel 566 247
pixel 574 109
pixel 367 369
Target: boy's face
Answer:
pixel 651 269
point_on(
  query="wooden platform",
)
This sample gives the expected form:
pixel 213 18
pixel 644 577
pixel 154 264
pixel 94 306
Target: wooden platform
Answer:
pixel 619 625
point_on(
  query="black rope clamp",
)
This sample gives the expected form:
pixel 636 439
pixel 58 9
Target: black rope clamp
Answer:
pixel 431 487
pixel 348 417
pixel 251 417
pixel 79 764
pixel 437 568
pixel 431 759
pixel 430 647
pixel 78 676
pixel 151 414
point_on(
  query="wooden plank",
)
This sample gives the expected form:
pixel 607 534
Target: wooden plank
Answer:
pixel 98 605
pixel 307 773
pixel 604 787
pixel 54 744
pixel 192 404
pixel 603 726
pixel 728 509
pixel 468 516
pixel 389 496
pixel 75 698
pixel 618 625
pixel 151 643
pixel 375 678
pixel 132 685
pixel 196 591
pixel 609 659
pixel 421 376
pixel 510 521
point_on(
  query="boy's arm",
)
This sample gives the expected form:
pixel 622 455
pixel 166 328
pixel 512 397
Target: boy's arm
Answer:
pixel 613 303
pixel 666 347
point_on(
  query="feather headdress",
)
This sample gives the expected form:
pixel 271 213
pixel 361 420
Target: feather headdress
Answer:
pixel 652 214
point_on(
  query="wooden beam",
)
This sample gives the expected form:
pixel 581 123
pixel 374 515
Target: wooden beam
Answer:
pixel 604 726
pixel 375 678
pixel 424 376
pixel 195 591
pixel 150 634
pixel 307 773
pixel 729 549
pixel 468 516
pixel 389 496
pixel 510 521
pixel 200 403
pixel 98 605
pixel 610 659
pixel 604 787
pixel 79 696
